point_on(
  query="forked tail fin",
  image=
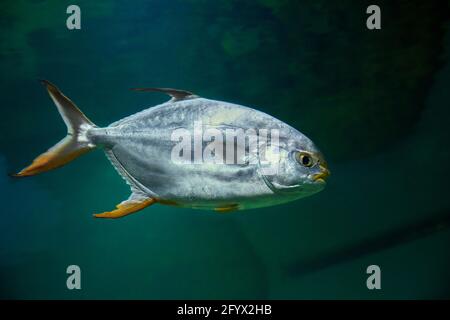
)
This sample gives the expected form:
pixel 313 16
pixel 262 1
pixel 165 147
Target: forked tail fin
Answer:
pixel 73 145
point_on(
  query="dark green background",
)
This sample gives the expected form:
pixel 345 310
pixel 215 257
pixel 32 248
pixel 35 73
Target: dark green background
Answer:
pixel 375 102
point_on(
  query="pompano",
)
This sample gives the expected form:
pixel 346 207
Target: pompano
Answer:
pixel 164 153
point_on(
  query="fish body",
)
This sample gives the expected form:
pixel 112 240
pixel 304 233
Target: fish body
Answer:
pixel 141 148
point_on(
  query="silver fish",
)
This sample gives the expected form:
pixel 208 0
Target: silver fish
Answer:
pixel 141 148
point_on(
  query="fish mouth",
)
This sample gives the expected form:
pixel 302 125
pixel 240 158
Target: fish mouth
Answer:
pixel 322 175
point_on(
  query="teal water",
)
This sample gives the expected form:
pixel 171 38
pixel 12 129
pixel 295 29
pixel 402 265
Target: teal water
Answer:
pixel 376 102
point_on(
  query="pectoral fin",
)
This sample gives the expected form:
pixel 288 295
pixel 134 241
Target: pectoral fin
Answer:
pixel 133 204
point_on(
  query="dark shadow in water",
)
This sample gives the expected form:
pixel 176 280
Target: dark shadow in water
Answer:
pixel 438 222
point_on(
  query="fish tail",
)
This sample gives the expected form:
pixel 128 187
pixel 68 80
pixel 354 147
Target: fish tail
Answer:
pixel 74 144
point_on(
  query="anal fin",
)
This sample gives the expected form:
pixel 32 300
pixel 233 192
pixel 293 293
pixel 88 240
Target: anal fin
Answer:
pixel 134 204
pixel 227 208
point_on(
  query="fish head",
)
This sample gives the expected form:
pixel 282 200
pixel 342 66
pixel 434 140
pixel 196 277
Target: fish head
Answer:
pixel 298 167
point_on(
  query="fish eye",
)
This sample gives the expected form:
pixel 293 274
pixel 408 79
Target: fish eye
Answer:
pixel 304 159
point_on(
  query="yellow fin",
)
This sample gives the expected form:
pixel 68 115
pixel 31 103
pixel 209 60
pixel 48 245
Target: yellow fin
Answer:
pixel 227 208
pixel 63 152
pixel 125 208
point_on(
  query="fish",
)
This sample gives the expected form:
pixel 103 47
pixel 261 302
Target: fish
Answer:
pixel 192 152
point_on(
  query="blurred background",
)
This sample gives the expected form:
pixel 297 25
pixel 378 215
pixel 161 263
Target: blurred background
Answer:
pixel 375 101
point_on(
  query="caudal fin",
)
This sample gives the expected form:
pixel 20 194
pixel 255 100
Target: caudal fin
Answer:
pixel 70 147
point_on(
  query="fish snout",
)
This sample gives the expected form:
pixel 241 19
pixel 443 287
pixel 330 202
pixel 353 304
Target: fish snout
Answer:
pixel 322 175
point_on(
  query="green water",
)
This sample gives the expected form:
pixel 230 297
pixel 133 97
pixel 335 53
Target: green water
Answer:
pixel 375 102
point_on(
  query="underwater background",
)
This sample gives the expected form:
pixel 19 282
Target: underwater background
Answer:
pixel 375 101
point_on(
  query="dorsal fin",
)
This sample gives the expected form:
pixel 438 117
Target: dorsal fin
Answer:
pixel 174 93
